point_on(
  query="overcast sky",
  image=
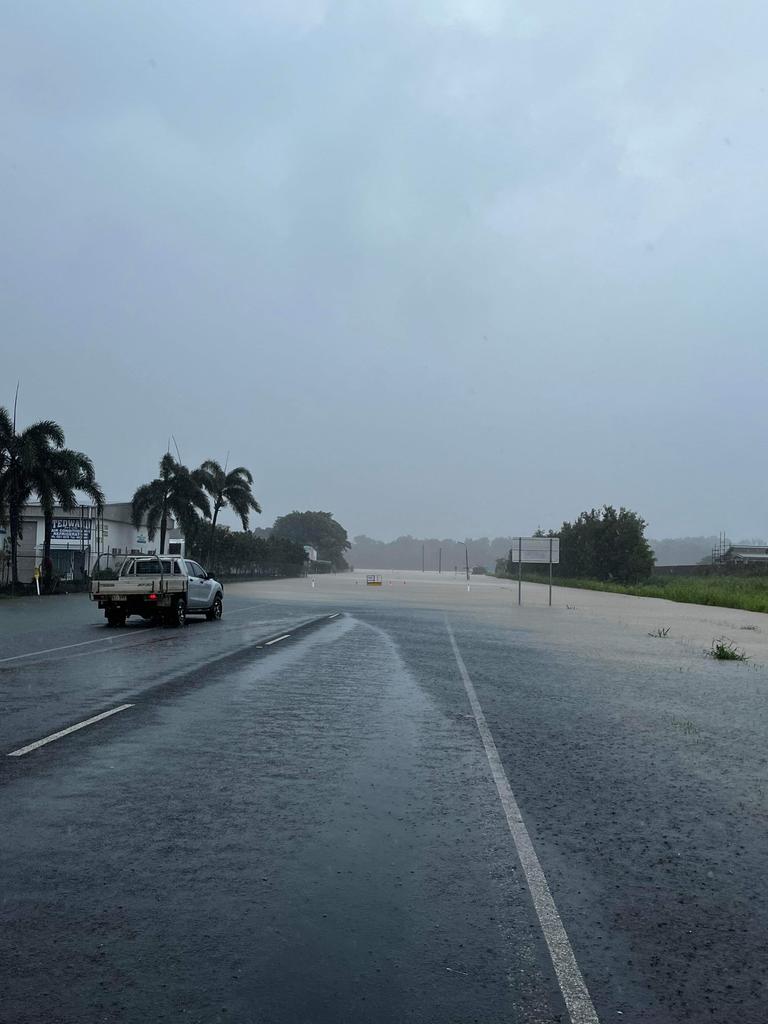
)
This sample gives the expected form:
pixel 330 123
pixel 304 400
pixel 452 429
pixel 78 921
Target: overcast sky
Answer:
pixel 448 268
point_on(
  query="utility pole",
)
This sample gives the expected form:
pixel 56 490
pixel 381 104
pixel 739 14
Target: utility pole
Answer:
pixel 422 558
pixel 466 556
pixel 440 560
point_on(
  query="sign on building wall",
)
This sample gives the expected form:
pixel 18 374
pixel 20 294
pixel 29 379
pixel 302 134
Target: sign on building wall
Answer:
pixel 71 529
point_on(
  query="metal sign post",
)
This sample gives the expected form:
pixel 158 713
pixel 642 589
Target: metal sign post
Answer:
pixel 550 572
pixel 519 570
pixel 537 551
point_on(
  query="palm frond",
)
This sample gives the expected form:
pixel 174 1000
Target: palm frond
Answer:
pixel 6 426
pixel 44 434
pixel 242 503
pixel 153 517
pixel 145 498
pixel 239 475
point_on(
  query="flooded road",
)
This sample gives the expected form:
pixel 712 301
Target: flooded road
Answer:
pixel 297 815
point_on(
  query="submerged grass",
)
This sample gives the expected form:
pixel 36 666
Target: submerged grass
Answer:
pixel 726 650
pixel 749 593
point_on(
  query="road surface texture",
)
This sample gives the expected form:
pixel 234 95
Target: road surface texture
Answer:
pixel 411 803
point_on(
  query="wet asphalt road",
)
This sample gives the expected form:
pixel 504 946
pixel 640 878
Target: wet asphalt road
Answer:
pixel 309 832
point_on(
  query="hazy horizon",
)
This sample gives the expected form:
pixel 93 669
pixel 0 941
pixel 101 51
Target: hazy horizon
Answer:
pixel 459 268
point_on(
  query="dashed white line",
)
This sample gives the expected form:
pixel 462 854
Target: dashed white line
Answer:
pixel 277 640
pixel 569 977
pixel 65 732
pixel 335 615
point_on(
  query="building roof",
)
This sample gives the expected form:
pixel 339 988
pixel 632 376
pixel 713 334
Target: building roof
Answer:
pixel 114 512
pixel 747 553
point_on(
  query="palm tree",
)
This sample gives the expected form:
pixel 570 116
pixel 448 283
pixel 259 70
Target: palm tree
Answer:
pixel 56 482
pixel 174 492
pixel 21 456
pixel 226 489
pixel 6 432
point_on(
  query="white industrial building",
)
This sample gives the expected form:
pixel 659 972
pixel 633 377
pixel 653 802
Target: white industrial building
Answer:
pixel 78 538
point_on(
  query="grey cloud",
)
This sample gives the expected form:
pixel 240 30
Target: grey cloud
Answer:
pixel 443 268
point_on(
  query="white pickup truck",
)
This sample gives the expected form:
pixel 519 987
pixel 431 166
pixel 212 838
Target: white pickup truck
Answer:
pixel 162 587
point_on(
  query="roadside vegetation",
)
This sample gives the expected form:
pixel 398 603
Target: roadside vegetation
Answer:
pixel 601 544
pixel 226 490
pixel 726 650
pixel 242 553
pixel 35 462
pixel 175 491
pixel 605 549
pixel 749 593
pixel 196 497
pixel 320 530
pixel 36 465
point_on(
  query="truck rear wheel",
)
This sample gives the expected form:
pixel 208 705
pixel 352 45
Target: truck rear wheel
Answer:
pixel 178 615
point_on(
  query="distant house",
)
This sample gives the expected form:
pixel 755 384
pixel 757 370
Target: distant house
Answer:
pixel 310 552
pixel 745 553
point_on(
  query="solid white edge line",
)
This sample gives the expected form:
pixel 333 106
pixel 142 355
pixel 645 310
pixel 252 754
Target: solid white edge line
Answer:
pixel 334 616
pixel 276 640
pixel 569 977
pixel 65 732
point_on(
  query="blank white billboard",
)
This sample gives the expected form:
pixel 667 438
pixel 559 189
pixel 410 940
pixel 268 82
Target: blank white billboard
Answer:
pixel 535 549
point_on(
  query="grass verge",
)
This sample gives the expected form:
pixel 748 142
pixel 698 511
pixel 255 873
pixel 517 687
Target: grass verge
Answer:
pixel 747 592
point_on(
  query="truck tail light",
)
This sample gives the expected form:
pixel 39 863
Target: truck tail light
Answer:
pixel 152 597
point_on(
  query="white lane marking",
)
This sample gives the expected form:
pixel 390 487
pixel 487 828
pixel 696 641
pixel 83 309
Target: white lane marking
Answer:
pixel 66 647
pixel 110 639
pixel 334 616
pixel 569 977
pixel 244 611
pixel 65 732
pixel 277 640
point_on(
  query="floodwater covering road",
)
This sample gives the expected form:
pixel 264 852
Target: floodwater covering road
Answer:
pixel 409 803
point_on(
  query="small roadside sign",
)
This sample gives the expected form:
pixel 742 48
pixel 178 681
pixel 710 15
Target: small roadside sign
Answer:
pixel 542 550
pixel 535 550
